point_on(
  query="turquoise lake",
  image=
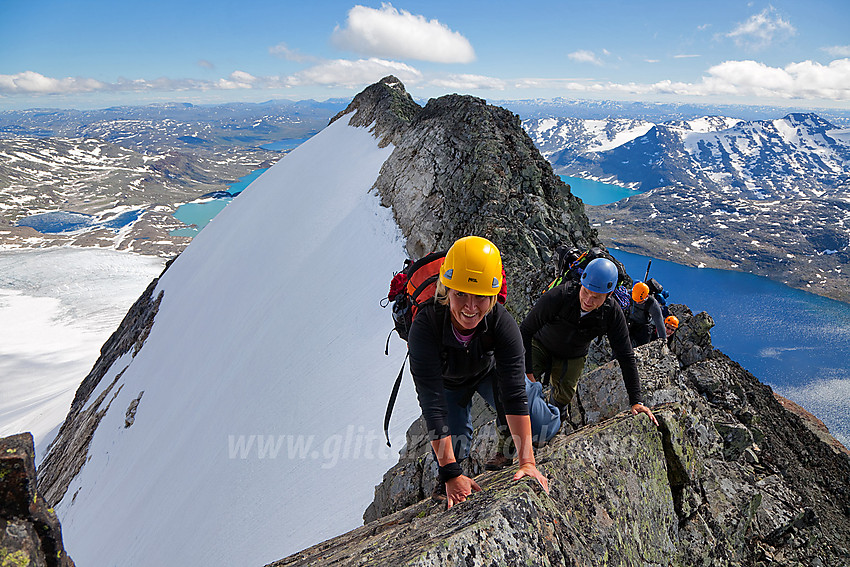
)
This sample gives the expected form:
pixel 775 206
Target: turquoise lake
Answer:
pixel 595 192
pixel 199 213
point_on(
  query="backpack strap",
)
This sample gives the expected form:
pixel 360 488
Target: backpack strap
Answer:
pixel 397 384
pixel 393 397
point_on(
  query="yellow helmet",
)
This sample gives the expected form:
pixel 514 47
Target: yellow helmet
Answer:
pixel 473 265
pixel 640 292
pixel 673 321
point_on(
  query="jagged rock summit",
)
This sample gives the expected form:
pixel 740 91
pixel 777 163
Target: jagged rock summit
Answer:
pixel 460 166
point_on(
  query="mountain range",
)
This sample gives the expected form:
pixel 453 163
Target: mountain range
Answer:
pixel 771 197
pixel 234 416
pixel 139 162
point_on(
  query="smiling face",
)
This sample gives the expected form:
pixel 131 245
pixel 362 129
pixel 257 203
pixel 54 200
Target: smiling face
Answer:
pixel 467 310
pixel 590 300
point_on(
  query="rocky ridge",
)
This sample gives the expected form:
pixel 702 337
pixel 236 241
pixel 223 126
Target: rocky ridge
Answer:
pixel 729 478
pixel 460 166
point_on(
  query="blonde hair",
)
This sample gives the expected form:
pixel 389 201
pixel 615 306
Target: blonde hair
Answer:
pixel 441 296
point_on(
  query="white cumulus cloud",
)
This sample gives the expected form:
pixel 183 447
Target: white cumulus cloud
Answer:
pixel 388 32
pixel 585 56
pixel 762 29
pixel 36 83
pixel 838 50
pixel 351 74
pixel 237 80
pixel 806 79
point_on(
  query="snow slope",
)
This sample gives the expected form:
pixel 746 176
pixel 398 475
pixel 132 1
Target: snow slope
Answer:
pixel 58 306
pixel 259 429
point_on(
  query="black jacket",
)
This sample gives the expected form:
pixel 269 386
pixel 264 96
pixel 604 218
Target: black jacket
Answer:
pixel 648 313
pixel 556 321
pixel 438 360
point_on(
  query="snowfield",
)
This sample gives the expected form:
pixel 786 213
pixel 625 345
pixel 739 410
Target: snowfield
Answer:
pixel 262 386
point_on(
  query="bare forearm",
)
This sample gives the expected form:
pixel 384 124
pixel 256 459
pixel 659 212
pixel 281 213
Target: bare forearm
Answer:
pixel 444 451
pixel 520 426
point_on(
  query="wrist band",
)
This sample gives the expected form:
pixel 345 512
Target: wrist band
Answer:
pixel 450 471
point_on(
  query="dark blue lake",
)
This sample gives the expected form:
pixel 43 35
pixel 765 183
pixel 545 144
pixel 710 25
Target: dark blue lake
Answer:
pixel 56 222
pixel 794 341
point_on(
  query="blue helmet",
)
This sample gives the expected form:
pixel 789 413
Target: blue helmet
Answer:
pixel 600 276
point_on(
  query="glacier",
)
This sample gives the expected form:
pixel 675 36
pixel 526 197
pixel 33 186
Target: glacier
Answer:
pixel 58 307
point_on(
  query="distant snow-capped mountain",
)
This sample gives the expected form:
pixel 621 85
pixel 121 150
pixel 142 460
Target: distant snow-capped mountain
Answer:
pixel 798 155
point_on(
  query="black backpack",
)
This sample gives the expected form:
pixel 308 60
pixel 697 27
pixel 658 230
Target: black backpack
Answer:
pixel 570 263
pixel 657 291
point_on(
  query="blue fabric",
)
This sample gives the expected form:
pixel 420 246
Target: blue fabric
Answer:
pixel 460 417
pixel 545 418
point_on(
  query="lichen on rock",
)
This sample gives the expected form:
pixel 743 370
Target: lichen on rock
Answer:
pixel 30 535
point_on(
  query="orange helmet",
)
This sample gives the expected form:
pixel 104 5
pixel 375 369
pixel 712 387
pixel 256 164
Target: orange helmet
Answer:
pixel 640 292
pixel 672 321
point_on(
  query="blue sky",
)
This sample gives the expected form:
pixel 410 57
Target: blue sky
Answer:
pixel 93 53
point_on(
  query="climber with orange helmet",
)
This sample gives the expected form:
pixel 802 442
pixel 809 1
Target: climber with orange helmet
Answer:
pixel 644 313
pixel 558 330
pixel 671 323
pixel 465 342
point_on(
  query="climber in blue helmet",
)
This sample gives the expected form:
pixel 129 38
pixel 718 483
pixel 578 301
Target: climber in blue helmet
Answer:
pixel 559 328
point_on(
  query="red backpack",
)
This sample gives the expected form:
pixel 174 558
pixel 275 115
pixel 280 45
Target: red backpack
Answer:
pixel 412 287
